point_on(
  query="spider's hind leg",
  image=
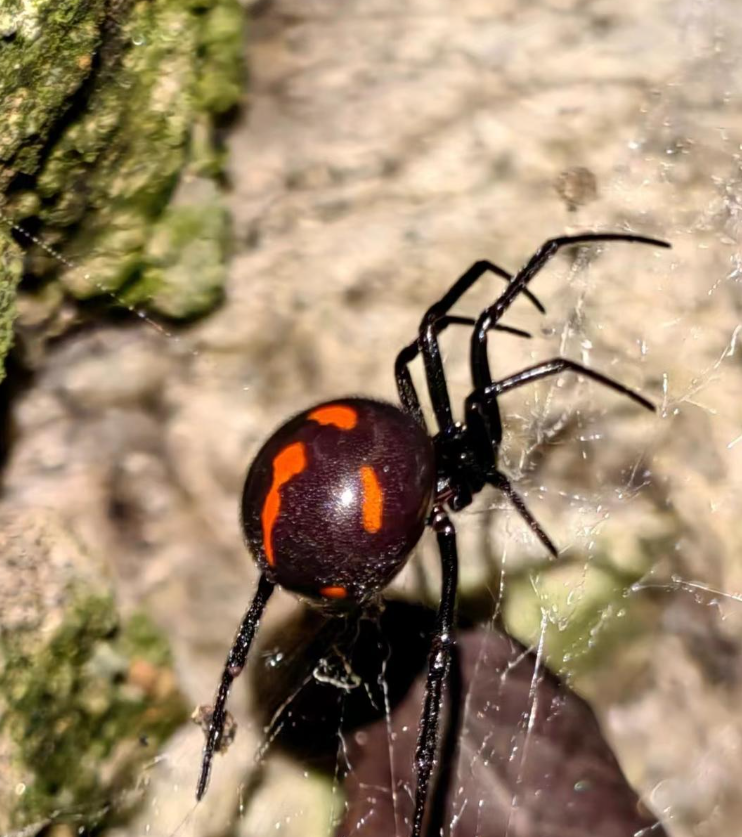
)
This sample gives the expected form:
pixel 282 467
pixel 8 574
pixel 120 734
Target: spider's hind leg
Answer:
pixel 232 668
pixel 439 663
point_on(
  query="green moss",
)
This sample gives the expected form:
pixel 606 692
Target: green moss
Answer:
pixel 186 272
pixel 72 704
pixel 151 77
pixel 45 56
pixel 588 612
pixel 140 639
pixel 128 147
pixel 221 43
pixel 11 268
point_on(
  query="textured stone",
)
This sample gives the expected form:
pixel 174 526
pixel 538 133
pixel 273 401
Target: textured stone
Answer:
pixel 86 694
pixel 125 112
pixel 11 266
pixel 384 151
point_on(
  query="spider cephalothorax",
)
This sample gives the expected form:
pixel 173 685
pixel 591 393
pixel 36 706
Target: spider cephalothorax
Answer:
pixel 337 498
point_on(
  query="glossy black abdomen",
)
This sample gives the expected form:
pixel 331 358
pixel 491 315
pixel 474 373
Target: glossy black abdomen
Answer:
pixel 337 498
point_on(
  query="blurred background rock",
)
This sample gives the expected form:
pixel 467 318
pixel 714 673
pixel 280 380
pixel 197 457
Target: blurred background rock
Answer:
pixel 379 150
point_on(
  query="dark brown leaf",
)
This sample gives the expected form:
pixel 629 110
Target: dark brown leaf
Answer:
pixel 521 755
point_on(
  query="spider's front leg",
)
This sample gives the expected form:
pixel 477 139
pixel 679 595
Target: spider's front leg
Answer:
pixel 482 408
pixel 405 387
pixel 439 663
pixel 480 369
pixel 435 320
pixel 554 367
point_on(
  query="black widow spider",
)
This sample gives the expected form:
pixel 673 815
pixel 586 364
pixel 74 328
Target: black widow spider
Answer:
pixel 337 498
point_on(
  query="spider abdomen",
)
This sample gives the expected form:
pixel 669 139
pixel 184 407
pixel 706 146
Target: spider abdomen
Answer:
pixel 337 498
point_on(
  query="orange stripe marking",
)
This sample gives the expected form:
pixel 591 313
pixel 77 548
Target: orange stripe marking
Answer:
pixel 373 499
pixel 334 592
pixel 340 415
pixel 289 462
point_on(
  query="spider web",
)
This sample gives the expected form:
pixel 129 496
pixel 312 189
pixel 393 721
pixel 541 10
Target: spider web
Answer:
pixel 385 149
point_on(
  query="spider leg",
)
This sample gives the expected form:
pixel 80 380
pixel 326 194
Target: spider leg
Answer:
pixel 465 281
pixel 427 338
pixel 482 411
pixel 405 387
pixel 501 482
pixel 554 367
pixel 482 407
pixel 232 668
pixel 450 319
pixel 439 662
pixel 480 369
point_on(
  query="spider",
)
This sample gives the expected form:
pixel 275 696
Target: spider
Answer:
pixel 338 497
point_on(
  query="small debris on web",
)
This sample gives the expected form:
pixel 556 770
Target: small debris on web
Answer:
pixel 202 716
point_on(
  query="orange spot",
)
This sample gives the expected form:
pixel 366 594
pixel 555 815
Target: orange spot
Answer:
pixel 288 463
pixel 338 414
pixel 373 499
pixel 334 592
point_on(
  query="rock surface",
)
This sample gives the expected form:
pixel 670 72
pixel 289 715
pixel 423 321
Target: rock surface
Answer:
pixel 386 148
pixel 108 114
pixel 87 694
pixel 11 266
